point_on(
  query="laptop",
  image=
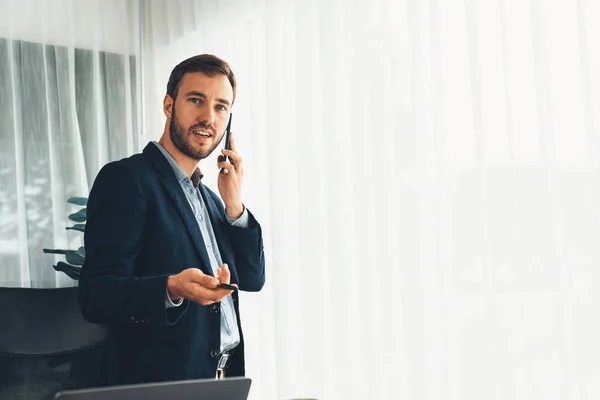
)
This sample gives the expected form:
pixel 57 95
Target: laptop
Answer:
pixel 197 389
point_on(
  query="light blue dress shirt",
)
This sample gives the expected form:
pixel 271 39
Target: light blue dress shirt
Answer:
pixel 230 334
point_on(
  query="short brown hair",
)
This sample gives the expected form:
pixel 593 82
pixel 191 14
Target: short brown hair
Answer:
pixel 206 63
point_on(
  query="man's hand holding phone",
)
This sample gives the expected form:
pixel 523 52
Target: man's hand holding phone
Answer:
pixel 193 284
pixel 230 178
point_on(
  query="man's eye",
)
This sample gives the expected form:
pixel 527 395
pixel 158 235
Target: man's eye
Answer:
pixel 195 100
pixel 221 107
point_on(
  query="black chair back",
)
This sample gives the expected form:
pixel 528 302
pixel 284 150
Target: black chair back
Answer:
pixel 46 345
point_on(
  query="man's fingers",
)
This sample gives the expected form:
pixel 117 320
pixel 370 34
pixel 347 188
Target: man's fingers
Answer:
pixel 224 274
pixel 202 279
pixel 235 158
pixel 203 288
pixel 206 296
pixel 226 167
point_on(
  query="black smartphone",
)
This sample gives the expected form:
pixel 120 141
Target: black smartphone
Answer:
pixel 226 286
pixel 226 145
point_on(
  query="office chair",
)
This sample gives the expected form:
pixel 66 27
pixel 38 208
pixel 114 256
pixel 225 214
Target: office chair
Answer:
pixel 46 345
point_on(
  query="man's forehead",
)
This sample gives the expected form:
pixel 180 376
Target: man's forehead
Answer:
pixel 211 85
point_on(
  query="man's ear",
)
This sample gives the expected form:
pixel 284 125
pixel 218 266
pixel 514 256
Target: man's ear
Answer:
pixel 168 103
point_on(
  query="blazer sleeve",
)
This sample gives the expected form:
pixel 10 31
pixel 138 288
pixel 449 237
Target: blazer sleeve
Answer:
pixel 249 253
pixel 109 291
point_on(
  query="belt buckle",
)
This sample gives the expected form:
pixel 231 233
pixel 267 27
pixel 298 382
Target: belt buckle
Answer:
pixel 224 357
pixel 222 364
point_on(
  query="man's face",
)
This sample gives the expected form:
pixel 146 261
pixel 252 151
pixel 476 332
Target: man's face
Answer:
pixel 200 113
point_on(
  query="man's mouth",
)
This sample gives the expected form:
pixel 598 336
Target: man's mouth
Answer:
pixel 202 133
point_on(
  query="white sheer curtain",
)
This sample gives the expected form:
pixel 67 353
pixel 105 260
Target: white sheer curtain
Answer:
pixel 68 84
pixel 426 173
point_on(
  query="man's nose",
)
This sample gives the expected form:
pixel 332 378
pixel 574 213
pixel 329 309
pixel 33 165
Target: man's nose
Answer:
pixel 207 115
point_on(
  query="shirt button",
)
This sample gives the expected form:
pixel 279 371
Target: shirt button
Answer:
pixel 199 217
pixel 214 353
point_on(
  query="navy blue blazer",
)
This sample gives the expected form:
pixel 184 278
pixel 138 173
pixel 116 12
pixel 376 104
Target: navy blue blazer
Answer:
pixel 140 230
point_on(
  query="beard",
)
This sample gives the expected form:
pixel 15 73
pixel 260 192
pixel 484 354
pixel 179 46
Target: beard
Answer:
pixel 179 137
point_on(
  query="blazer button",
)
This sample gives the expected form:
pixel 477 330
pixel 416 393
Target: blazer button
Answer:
pixel 214 309
pixel 214 353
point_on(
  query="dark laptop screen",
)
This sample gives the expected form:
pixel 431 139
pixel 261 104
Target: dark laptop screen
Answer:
pixel 201 389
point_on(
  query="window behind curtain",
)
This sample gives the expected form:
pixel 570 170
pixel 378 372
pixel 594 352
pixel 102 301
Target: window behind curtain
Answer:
pixel 64 113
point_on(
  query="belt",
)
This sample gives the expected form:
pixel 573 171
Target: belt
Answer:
pixel 223 363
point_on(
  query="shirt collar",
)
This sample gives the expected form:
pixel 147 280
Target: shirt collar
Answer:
pixel 180 173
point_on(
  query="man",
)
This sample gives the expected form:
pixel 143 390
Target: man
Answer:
pixel 158 242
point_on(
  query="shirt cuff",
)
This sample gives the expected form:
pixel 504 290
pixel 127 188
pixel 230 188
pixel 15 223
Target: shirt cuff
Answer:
pixel 169 303
pixel 241 222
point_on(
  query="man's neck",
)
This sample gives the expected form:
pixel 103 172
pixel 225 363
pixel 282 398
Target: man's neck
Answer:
pixel 187 164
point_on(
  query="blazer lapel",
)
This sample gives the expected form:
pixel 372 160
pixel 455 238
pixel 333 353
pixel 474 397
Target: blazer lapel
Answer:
pixel 175 193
